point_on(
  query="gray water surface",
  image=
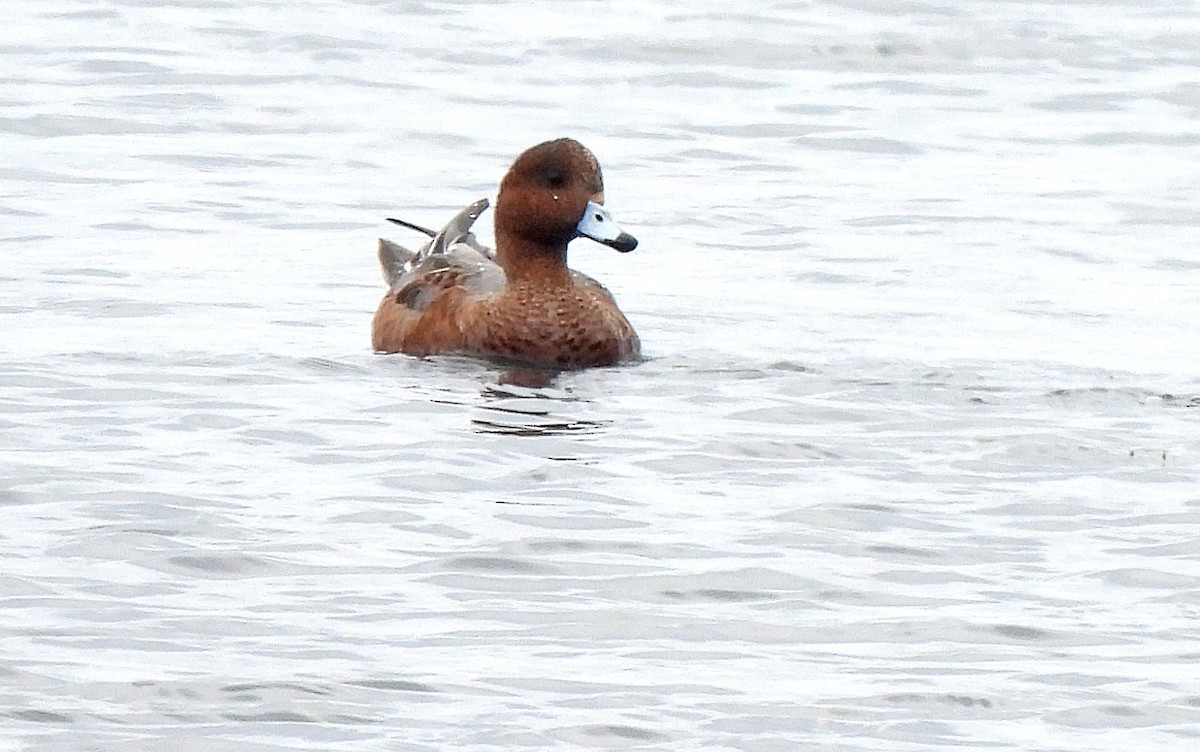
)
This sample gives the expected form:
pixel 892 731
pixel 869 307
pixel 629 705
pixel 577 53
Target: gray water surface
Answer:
pixel 911 464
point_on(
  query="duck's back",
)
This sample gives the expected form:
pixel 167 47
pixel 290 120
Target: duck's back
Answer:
pixel 423 312
pixel 427 288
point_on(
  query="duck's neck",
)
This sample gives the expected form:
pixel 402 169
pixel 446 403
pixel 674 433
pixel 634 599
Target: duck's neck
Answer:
pixel 526 261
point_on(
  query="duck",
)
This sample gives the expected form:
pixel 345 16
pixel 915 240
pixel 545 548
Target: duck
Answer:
pixel 518 303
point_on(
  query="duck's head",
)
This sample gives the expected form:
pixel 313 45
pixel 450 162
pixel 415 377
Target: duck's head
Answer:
pixel 552 194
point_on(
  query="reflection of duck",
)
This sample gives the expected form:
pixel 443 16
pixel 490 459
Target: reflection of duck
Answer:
pixel 521 302
pixel 538 409
pixel 530 417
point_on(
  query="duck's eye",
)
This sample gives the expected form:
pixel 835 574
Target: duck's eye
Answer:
pixel 598 217
pixel 554 178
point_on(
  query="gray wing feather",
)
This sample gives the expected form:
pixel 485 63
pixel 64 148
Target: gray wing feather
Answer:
pixel 454 246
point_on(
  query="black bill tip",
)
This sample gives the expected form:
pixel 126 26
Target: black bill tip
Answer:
pixel 623 242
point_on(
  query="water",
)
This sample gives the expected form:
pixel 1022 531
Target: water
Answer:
pixel 911 463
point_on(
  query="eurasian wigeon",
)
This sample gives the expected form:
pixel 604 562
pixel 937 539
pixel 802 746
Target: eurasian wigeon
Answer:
pixel 520 303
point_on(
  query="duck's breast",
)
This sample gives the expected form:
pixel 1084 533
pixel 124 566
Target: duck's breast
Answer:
pixel 567 327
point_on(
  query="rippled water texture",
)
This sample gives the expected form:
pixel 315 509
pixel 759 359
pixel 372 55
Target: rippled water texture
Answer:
pixel 912 462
